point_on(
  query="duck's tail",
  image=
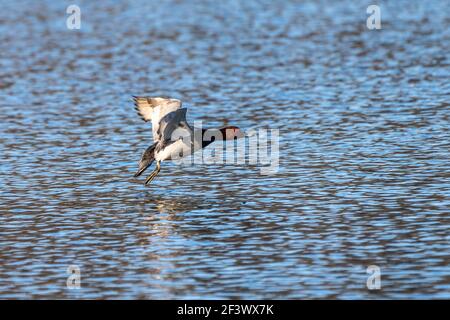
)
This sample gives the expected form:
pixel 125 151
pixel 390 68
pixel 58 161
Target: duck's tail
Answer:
pixel 146 160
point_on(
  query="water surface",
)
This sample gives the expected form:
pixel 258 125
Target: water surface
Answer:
pixel 364 150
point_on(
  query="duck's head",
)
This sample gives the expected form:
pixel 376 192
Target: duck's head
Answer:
pixel 231 133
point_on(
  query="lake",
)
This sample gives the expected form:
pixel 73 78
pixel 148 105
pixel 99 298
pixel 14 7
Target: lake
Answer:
pixel 363 178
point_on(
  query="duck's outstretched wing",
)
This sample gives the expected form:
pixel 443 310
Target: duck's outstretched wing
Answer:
pixel 154 109
pixel 171 122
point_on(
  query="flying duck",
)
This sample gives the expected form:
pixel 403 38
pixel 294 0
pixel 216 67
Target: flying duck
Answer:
pixel 173 137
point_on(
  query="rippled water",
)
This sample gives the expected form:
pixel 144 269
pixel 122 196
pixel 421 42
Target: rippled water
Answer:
pixel 364 175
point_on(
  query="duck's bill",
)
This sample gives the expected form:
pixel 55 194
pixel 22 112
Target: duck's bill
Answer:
pixel 249 133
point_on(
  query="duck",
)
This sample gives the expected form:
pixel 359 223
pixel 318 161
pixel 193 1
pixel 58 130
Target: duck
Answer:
pixel 173 136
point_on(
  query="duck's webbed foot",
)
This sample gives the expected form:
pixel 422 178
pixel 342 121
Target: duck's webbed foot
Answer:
pixel 153 174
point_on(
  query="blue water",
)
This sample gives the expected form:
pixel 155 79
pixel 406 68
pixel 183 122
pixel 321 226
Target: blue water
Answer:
pixel 364 176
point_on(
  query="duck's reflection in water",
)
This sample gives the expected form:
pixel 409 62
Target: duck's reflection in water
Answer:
pixel 168 218
pixel 170 229
pixel 172 205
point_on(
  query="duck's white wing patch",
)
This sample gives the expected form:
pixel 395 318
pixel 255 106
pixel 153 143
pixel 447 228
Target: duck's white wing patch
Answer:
pixel 154 109
pixel 146 106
